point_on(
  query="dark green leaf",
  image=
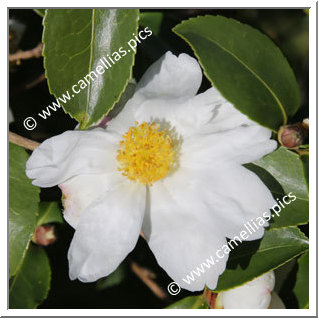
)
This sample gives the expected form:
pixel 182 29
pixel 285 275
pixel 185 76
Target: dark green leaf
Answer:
pixel 30 286
pixel 152 20
pixel 301 288
pixel 76 42
pixel 23 207
pixel 191 302
pixel 114 278
pixel 49 212
pixel 282 274
pixel 245 66
pixel 305 159
pixel 286 168
pixel 254 258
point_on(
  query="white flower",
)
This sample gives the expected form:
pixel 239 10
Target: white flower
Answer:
pixel 176 175
pixel 256 294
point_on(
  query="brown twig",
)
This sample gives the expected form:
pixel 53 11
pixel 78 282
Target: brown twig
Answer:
pixel 35 82
pixel 147 277
pixel 24 55
pixel 22 141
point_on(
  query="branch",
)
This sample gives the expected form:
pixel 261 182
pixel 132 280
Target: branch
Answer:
pixel 21 141
pixel 147 277
pixel 24 55
pixel 35 82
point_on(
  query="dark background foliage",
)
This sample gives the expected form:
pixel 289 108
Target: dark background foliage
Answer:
pixel 287 28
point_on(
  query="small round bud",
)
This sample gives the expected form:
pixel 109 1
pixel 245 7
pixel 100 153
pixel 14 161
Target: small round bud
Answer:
pixel 291 136
pixel 44 235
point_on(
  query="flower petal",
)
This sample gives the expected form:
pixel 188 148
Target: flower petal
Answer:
pixel 241 145
pixel 72 153
pixel 171 77
pixel 81 191
pixel 233 196
pixel 182 239
pixel 169 82
pixel 224 116
pixel 106 233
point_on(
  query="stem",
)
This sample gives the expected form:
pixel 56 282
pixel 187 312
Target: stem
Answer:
pixel 24 55
pixel 23 142
pixel 147 277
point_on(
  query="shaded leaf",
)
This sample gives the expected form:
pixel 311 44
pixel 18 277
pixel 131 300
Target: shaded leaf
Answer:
pixel 191 302
pixel 23 207
pixel 286 167
pixel 114 278
pixel 305 159
pixel 245 66
pixel 282 274
pixel 76 42
pixel 254 258
pixel 152 20
pixel 301 288
pixel 30 286
pixel 49 212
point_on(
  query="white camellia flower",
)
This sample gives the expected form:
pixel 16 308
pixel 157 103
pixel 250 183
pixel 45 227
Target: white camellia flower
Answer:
pixel 256 294
pixel 169 165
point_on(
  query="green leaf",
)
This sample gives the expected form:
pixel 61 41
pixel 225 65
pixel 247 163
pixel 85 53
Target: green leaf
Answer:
pixel 254 258
pixel 191 302
pixel 245 66
pixel 76 42
pixel 282 274
pixel 125 96
pixel 301 288
pixel 286 167
pixel 40 12
pixel 152 20
pixel 305 159
pixel 49 212
pixel 30 286
pixel 114 279
pixel 23 207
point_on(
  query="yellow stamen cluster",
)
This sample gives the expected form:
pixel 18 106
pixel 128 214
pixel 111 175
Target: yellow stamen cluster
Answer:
pixel 146 153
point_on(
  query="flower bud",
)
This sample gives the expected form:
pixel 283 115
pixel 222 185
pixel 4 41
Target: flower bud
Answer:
pixel 44 235
pixel 292 136
pixel 255 294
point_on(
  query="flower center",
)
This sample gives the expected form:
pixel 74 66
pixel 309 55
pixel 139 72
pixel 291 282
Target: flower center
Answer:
pixel 146 153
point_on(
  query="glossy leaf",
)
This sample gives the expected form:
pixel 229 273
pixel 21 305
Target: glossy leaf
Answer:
pixel 76 43
pixel 254 258
pixel 245 66
pixel 49 212
pixel 23 207
pixel 301 289
pixel 191 302
pixel 30 286
pixel 283 174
